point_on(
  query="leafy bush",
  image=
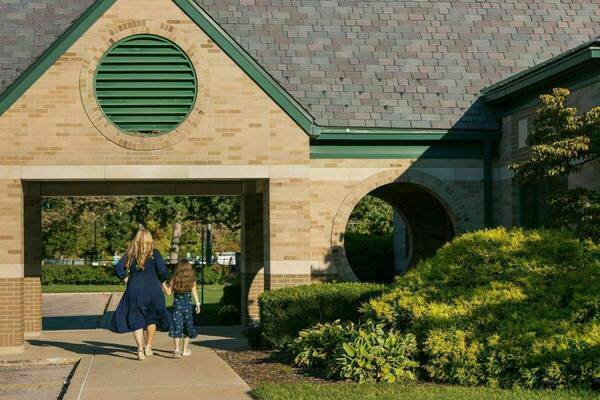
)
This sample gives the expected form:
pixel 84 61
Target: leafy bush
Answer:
pixel 284 312
pixel 316 347
pixel 370 256
pixel 232 294
pixel 253 333
pixel 213 274
pixel 578 210
pixel 228 315
pixel 79 275
pixel 503 308
pixel 361 353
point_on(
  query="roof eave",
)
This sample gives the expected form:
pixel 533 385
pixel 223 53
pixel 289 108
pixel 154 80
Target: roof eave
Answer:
pixel 538 74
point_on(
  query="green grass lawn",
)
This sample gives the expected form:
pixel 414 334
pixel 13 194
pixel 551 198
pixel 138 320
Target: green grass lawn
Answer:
pixel 208 316
pixel 351 391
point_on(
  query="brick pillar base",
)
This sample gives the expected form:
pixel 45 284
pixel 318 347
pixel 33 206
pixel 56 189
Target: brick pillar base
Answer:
pixel 32 306
pixel 252 286
pixel 11 317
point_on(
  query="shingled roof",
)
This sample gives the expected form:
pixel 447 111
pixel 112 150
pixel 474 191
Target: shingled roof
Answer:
pixel 413 64
pixel 28 27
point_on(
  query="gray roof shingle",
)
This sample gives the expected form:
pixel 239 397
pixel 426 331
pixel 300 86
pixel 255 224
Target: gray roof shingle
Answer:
pixel 413 64
pixel 28 27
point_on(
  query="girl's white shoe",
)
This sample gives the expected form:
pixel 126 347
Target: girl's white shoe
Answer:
pixel 148 351
pixel 176 354
pixel 187 353
pixel 141 355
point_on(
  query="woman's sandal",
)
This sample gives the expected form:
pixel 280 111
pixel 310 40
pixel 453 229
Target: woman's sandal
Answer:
pixel 187 353
pixel 141 355
pixel 148 351
pixel 176 354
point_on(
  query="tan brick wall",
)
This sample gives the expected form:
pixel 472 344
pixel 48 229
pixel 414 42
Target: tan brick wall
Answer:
pixel 32 305
pixel 11 317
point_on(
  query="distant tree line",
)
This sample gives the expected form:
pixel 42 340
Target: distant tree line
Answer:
pixel 72 226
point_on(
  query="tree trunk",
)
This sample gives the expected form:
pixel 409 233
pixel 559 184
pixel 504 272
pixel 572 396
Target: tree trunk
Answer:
pixel 174 254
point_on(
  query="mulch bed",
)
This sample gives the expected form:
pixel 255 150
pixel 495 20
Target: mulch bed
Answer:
pixel 264 366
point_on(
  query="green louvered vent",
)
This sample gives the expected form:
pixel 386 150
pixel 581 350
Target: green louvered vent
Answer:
pixel 145 84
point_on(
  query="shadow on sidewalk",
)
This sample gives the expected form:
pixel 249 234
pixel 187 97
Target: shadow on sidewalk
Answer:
pixel 93 347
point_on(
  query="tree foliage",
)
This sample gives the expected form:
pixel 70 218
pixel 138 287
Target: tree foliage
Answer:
pixel 371 216
pixel 561 142
pixel 71 225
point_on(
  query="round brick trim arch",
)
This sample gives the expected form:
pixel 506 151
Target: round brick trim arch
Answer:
pixel 195 53
pixel 447 195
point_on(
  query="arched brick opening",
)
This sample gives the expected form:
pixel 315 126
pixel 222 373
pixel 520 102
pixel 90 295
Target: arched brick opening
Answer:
pixel 431 207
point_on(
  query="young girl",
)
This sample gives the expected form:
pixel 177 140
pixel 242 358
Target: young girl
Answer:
pixel 183 285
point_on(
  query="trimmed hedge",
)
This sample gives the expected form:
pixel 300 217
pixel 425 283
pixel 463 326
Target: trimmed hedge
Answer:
pixel 79 275
pixel 503 308
pixel 370 256
pixel 285 312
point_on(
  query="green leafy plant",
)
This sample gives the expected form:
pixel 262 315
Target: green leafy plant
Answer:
pixel 361 353
pixel 228 315
pixel 315 346
pixel 285 312
pixel 377 354
pixel 253 333
pixel 503 308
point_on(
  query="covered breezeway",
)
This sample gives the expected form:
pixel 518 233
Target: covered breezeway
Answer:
pixel 253 240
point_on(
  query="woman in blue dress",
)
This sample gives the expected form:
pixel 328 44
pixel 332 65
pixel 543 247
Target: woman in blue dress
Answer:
pixel 142 306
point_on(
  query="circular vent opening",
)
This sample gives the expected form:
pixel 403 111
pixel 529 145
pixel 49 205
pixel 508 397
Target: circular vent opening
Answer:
pixel 145 85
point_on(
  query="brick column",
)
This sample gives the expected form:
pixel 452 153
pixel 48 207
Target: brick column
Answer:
pixel 32 257
pixel 252 269
pixel 11 266
pixel 289 242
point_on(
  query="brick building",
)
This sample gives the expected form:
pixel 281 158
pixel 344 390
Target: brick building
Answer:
pixel 301 108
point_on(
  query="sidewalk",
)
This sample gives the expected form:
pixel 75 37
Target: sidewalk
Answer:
pixel 109 369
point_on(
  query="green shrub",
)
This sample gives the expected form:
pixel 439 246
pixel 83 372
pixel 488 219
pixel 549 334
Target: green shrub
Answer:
pixel 232 294
pixel 228 315
pixel 361 353
pixel 317 346
pixel 253 333
pixel 79 275
pixel 284 312
pixel 370 256
pixel 503 308
pixel 213 274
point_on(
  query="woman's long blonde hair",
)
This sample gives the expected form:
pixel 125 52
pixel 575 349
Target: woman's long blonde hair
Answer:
pixel 140 249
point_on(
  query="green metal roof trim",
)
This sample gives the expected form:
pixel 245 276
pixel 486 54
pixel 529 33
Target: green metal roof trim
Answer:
pixel 383 136
pixel 586 52
pixel 145 85
pixel 53 53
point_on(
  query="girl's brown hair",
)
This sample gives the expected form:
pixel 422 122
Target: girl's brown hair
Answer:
pixel 140 249
pixel 184 277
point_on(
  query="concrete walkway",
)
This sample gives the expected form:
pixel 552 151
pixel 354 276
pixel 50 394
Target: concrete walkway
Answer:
pixel 73 310
pixel 109 369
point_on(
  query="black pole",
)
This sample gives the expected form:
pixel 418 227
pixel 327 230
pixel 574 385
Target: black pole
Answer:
pixel 95 235
pixel 202 264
